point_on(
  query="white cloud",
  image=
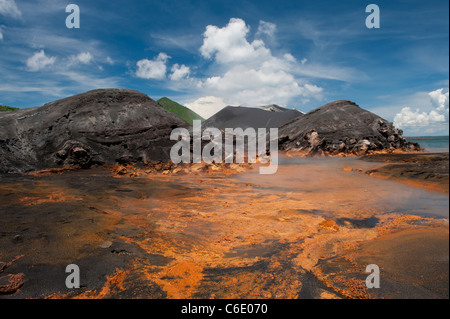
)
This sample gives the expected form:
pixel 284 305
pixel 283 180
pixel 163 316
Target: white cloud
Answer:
pixel 109 60
pixel 264 85
pixel 39 61
pixel 266 28
pixel 83 58
pixel 9 8
pixel 431 121
pixel 153 69
pixel 408 118
pixel 229 44
pixel 206 106
pixel 179 72
pixel 249 73
pixel 439 99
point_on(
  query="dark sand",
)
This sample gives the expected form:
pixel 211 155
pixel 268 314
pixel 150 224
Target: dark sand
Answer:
pixel 245 117
pixel 306 232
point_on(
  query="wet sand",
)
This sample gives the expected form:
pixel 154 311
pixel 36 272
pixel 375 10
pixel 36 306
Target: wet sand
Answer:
pixel 306 232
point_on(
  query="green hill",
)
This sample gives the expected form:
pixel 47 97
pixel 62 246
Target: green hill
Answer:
pixel 7 108
pixel 179 110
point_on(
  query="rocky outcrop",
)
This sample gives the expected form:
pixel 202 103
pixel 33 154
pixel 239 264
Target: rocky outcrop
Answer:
pixel 341 127
pixel 104 126
pixel 427 170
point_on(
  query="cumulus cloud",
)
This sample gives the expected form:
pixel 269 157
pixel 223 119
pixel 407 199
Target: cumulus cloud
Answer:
pixel 83 58
pixel 229 44
pixel 153 69
pixel 207 106
pixel 243 85
pixel 39 61
pixel 179 72
pixel 9 8
pixel 250 74
pixel 439 100
pixel 422 121
pixel 408 118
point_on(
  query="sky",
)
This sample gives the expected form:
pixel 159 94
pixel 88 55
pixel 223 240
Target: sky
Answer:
pixel 209 54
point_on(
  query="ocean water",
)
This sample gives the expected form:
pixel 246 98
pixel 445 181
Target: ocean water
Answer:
pixel 432 143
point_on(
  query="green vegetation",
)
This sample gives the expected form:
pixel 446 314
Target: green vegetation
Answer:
pixel 179 110
pixel 7 108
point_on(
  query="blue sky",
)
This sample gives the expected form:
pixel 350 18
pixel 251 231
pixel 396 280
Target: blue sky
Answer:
pixel 208 54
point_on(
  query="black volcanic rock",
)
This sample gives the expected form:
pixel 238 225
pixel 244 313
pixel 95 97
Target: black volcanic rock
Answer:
pixel 97 127
pixel 244 117
pixel 341 127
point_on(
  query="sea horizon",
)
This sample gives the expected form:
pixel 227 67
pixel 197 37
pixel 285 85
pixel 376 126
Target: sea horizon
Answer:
pixel 435 144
